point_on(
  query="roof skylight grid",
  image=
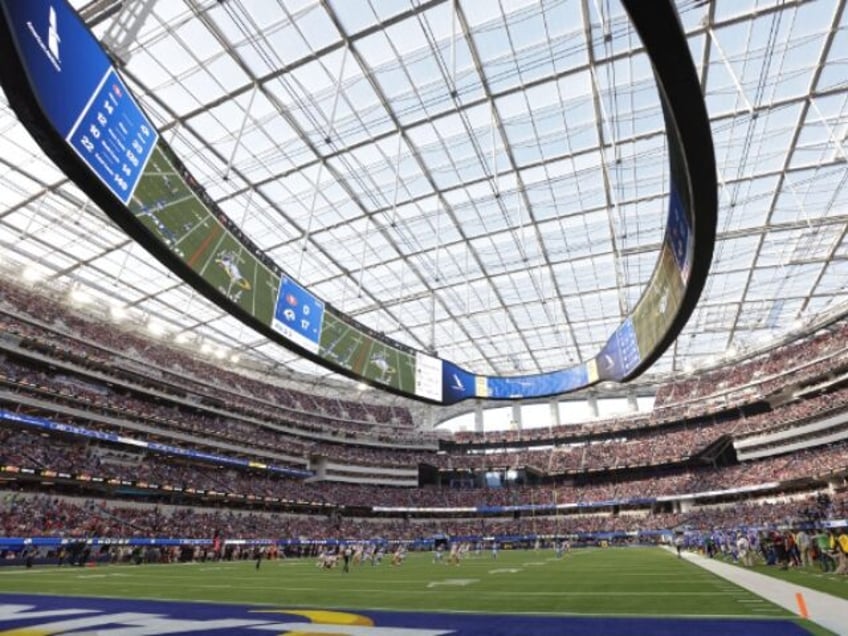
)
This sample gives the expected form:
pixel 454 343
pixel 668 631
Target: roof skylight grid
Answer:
pixel 487 178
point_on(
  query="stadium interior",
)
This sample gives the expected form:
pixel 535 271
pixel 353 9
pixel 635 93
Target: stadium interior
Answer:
pixel 482 181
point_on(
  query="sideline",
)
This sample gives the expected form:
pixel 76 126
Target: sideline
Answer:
pixel 827 610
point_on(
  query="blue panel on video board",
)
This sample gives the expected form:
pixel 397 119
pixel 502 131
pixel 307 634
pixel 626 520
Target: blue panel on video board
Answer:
pixel 298 315
pixel 621 353
pixel 81 94
pixel 114 137
pixel 64 62
pixel 457 383
pixel 538 385
pixel 678 233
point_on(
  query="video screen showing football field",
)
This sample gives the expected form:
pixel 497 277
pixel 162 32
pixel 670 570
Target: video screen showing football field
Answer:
pixel 366 356
pixel 177 217
pixel 174 214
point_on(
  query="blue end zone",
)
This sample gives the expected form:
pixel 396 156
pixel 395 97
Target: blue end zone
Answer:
pixel 59 615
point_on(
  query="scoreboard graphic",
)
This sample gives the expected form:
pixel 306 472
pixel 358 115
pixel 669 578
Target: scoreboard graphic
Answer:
pixel 298 315
pixel 621 353
pixel 678 234
pixel 114 137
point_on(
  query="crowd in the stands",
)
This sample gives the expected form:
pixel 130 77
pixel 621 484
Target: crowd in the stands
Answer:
pixel 139 414
pixel 659 445
pixel 241 408
pixel 795 363
pixel 160 473
pixel 668 444
pixel 29 516
pixel 74 370
pixel 105 347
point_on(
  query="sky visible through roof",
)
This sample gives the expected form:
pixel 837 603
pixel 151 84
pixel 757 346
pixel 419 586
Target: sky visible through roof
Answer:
pixel 488 179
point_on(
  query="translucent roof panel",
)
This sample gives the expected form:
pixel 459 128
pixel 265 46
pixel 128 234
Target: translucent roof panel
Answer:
pixel 485 179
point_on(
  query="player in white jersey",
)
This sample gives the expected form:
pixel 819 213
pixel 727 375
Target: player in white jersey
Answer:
pixel 438 553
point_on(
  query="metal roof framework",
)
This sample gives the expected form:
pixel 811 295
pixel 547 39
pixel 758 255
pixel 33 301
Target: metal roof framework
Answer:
pixel 486 180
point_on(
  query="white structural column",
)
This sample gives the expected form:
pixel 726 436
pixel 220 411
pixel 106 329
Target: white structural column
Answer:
pixel 592 400
pixel 632 402
pixel 516 415
pixel 478 417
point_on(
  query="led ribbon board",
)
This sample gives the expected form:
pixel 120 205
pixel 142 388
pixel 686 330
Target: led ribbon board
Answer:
pixel 65 90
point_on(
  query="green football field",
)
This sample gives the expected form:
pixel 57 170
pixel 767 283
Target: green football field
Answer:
pixel 647 582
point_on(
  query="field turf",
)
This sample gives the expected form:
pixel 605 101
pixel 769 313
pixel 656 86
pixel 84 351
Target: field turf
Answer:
pixel 640 583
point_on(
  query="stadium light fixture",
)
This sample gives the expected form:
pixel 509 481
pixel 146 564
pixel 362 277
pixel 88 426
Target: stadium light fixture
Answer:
pixel 118 312
pixel 78 296
pixel 32 274
pixel 155 328
pixel 181 338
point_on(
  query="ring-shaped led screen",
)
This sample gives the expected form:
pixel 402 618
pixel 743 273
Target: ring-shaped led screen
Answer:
pixel 66 91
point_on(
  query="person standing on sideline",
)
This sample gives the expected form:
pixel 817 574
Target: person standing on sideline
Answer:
pixel 743 547
pixel 346 558
pixel 804 543
pixel 822 543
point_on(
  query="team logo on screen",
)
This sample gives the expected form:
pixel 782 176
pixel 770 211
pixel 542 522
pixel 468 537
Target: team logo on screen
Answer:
pixel 289 313
pixel 457 383
pixel 51 48
pixel 53 38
